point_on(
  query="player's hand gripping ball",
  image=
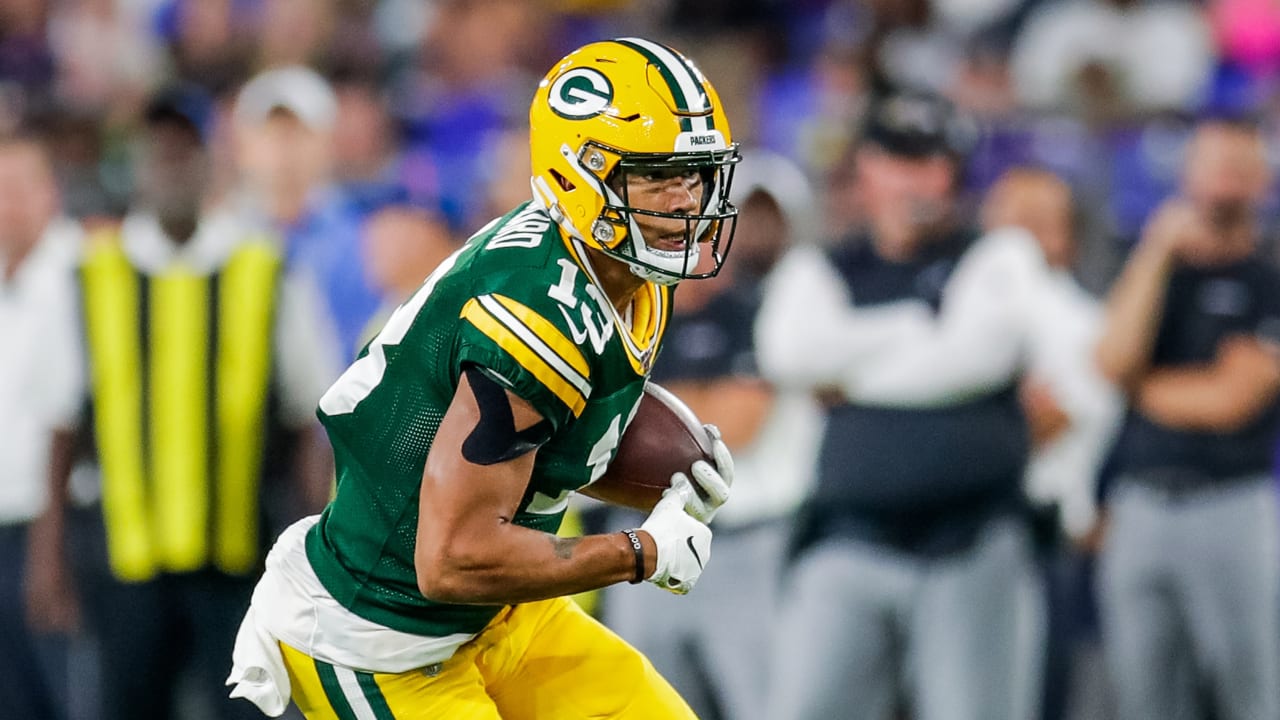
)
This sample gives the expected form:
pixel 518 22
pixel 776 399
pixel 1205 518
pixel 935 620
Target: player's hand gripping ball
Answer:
pixel 666 439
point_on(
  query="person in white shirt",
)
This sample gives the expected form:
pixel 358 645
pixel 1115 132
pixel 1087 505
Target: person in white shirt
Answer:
pixel 913 569
pixel 38 381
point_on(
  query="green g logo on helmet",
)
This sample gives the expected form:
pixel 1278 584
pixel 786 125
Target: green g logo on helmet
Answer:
pixel 580 93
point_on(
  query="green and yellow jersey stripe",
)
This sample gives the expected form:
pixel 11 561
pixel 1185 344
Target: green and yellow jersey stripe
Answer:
pixel 536 344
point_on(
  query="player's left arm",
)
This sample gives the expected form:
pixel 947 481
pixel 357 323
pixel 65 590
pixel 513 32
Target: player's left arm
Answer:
pixel 1222 396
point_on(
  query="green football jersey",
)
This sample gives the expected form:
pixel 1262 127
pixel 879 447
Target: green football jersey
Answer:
pixel 519 300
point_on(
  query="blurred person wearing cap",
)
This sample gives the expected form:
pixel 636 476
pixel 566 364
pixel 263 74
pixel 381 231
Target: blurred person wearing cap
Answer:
pixel 713 644
pixel 1190 570
pixel 283 128
pixel 38 381
pixel 204 361
pixel 912 575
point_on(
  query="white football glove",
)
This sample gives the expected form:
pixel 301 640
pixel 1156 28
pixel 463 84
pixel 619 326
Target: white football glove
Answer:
pixel 684 544
pixel 713 482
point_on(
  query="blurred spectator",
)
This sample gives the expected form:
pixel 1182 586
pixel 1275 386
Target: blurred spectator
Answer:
pixel 431 113
pixel 506 186
pixel 294 32
pixel 1248 34
pixel 1071 409
pixel 1191 564
pixel 209 40
pixel 38 382
pixel 402 245
pixel 284 122
pixel 369 166
pixel 26 61
pixel 364 144
pixel 1105 59
pixel 804 112
pixel 1072 413
pixel 913 566
pixel 778 210
pixel 205 366
pixel 715 644
pixel 106 56
pixel 473 81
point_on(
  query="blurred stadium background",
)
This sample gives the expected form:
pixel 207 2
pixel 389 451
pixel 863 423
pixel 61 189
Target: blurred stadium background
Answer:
pixel 427 139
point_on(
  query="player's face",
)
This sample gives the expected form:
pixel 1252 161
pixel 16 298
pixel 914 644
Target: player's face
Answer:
pixel 667 190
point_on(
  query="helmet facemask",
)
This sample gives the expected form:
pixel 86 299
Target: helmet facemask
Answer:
pixel 617 230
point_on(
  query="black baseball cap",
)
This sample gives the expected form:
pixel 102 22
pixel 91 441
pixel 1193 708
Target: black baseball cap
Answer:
pixel 918 124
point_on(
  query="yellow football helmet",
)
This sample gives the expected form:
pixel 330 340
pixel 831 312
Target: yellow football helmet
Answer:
pixel 632 106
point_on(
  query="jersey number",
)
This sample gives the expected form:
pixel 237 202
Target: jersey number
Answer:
pixel 592 328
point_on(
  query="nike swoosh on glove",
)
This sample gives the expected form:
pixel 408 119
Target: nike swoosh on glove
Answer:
pixel 684 543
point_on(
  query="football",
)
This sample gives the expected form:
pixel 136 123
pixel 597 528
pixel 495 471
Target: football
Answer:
pixel 664 438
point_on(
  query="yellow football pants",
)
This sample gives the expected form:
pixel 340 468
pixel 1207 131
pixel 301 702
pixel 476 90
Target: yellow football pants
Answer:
pixel 545 660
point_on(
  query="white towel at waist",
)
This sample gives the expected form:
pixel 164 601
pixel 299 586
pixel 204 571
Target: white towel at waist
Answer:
pixel 258 671
pixel 290 605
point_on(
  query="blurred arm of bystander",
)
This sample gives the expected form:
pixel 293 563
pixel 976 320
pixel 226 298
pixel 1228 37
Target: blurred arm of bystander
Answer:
pixel 978 341
pixel 1222 396
pixel 809 331
pixel 1136 302
pixel 52 601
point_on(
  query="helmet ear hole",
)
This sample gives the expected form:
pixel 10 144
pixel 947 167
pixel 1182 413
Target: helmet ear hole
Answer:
pixel 564 182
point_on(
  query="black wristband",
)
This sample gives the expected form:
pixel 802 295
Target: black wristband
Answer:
pixel 638 549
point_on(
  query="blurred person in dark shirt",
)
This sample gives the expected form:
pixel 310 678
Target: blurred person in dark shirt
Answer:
pixel 1190 587
pixel 913 566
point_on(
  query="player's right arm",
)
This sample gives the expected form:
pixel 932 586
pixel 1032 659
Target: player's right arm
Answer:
pixel 469 550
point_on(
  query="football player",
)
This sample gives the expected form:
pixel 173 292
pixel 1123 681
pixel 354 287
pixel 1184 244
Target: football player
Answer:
pixel 433 585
